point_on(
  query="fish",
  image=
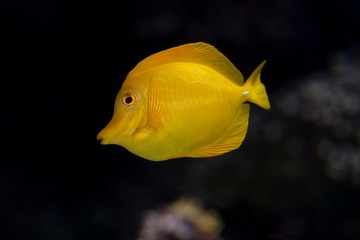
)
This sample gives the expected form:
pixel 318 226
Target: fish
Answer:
pixel 188 101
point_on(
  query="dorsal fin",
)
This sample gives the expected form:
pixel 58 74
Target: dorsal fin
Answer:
pixel 232 139
pixel 201 53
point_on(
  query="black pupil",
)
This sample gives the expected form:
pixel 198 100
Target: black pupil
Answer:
pixel 128 100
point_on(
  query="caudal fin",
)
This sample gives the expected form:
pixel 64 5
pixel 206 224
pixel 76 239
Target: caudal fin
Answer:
pixel 256 90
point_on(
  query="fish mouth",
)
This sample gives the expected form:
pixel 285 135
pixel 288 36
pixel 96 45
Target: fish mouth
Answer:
pixel 106 136
pixel 101 138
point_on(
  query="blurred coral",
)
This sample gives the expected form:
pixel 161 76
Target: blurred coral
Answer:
pixel 184 219
pixel 326 106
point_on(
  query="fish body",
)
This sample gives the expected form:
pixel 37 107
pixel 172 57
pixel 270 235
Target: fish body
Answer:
pixel 186 101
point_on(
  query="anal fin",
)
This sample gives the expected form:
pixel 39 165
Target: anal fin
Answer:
pixel 232 139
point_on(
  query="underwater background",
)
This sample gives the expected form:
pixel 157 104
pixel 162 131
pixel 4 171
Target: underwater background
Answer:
pixel 296 175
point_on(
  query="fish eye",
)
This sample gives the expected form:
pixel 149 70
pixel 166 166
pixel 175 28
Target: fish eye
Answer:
pixel 128 99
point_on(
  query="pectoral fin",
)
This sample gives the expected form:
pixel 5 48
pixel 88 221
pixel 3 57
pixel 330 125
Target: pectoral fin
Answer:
pixel 156 110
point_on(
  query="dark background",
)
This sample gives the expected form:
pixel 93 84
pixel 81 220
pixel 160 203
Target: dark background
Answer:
pixel 296 176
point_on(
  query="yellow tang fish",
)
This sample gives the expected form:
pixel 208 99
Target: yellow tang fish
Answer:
pixel 186 101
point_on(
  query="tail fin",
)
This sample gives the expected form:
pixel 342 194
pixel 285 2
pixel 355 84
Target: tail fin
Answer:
pixel 256 90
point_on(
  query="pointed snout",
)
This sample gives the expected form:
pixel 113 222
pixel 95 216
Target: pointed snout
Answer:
pixel 111 134
pixel 107 135
pixel 100 137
